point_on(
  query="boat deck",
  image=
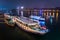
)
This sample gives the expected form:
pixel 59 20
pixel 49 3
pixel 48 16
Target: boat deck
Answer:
pixel 27 20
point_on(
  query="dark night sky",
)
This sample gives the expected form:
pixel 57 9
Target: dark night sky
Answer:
pixel 9 4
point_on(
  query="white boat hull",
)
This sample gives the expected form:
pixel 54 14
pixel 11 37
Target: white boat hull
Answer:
pixel 29 29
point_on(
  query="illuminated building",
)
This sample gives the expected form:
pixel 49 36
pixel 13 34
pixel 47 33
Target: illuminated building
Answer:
pixel 44 12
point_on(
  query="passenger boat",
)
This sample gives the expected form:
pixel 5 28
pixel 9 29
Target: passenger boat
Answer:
pixel 26 24
pixel 30 25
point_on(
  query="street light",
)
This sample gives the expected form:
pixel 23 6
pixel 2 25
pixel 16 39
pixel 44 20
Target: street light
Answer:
pixel 22 10
pixel 22 7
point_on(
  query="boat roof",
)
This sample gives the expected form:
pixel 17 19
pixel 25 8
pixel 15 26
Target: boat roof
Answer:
pixel 27 21
pixel 37 17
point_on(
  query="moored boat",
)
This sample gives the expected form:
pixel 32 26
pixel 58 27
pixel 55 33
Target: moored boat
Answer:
pixel 30 26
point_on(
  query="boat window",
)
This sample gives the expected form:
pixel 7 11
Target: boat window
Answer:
pixel 21 23
pixel 41 20
pixel 8 19
pixel 35 21
pixel 31 26
pixel 26 24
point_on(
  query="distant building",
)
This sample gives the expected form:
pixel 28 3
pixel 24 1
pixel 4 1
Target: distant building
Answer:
pixel 41 12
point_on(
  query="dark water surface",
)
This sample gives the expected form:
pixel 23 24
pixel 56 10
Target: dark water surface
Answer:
pixel 15 33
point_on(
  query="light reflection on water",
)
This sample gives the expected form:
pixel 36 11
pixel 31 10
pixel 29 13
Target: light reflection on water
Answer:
pixel 52 19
